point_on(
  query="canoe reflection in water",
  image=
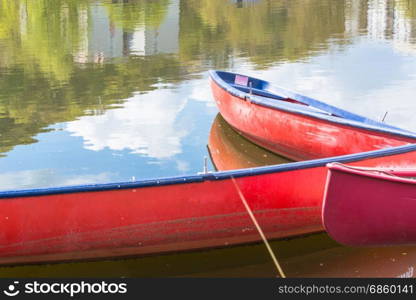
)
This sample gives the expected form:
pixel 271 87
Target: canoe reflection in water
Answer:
pixel 230 151
pixel 315 255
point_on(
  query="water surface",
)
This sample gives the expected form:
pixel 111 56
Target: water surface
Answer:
pixel 100 91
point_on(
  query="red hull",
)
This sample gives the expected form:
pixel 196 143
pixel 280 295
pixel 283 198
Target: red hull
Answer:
pixel 142 221
pixel 366 207
pixel 296 135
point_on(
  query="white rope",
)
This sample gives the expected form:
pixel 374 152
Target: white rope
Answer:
pixel 253 218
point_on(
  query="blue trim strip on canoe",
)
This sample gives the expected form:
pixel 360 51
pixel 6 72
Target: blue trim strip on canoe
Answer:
pixel 345 117
pixel 210 176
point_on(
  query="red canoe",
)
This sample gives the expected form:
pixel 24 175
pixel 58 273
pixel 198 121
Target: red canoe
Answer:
pixel 297 126
pixel 370 206
pixel 170 214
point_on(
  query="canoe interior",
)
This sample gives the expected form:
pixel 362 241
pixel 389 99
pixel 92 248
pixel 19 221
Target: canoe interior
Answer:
pixel 258 87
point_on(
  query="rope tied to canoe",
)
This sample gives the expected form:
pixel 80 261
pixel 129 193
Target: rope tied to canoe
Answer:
pixel 256 224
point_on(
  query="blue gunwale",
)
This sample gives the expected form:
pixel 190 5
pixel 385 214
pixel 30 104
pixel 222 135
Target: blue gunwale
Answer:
pixel 343 117
pixel 212 176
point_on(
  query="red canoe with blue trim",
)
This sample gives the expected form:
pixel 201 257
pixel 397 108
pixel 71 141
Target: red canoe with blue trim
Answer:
pixel 294 125
pixel 170 214
pixel 370 206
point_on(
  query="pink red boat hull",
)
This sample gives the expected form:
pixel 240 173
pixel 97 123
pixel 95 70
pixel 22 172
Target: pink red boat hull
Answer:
pixel 297 131
pixel 367 207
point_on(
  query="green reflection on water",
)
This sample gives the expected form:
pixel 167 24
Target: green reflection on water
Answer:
pixel 305 256
pixel 41 79
pixel 203 263
pixel 51 70
pixel 131 14
pixel 265 32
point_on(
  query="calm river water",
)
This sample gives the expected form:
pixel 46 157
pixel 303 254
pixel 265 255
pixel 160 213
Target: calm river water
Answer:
pixel 100 91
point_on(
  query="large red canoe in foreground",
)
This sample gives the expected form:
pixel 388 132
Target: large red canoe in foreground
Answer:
pixel 297 126
pixel 170 214
pixel 370 206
